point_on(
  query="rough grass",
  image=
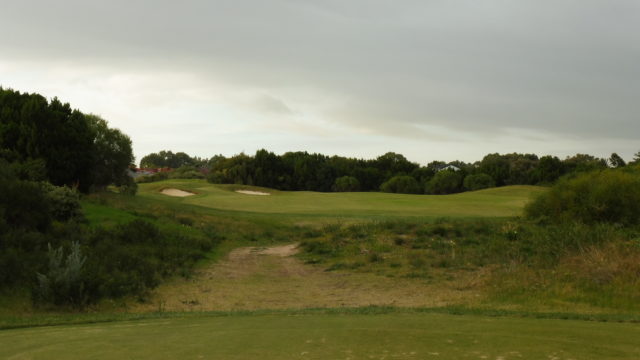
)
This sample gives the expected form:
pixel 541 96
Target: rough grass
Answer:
pixel 328 336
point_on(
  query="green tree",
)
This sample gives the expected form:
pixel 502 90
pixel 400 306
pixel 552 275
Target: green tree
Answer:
pixel 112 153
pixel 616 161
pixel 403 184
pixel 346 183
pixel 445 182
pixel 478 182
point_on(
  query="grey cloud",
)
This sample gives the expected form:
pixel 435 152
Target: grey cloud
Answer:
pixel 566 67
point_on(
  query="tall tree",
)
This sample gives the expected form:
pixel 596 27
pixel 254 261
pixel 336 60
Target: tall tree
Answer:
pixel 112 153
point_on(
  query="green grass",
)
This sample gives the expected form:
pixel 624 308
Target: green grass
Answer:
pixel 497 202
pixel 328 335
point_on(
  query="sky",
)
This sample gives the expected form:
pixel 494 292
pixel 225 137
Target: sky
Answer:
pixel 430 79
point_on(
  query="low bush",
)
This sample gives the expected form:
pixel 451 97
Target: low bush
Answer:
pixel 611 196
pixel 402 184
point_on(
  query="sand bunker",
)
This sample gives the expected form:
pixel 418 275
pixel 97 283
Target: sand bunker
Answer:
pixel 176 192
pixel 249 192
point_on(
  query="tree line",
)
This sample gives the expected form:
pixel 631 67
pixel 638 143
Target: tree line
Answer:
pixel 49 141
pixel 390 172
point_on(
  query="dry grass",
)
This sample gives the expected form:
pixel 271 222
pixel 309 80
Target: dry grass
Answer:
pixel 271 278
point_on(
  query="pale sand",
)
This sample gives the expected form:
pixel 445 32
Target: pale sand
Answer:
pixel 249 192
pixel 176 192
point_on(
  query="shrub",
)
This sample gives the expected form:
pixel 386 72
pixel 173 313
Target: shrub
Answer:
pixel 65 202
pixel 346 183
pixel 610 196
pixel 186 172
pixel 402 184
pixel 63 284
pixel 478 182
pixel 445 182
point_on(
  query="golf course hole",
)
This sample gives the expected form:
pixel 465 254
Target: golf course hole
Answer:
pixel 176 192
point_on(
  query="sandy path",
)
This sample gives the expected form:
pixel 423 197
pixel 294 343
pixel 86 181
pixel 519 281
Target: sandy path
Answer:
pixel 271 278
pixel 176 192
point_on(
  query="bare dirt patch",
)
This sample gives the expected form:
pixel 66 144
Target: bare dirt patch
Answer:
pixel 272 278
pixel 176 192
pixel 251 192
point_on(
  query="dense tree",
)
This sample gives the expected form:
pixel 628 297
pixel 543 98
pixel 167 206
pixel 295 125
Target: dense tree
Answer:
pixel 69 146
pixel 112 153
pixel 445 182
pixel 402 184
pixel 346 183
pixel 583 163
pixel 549 169
pixel 478 182
pixel 496 166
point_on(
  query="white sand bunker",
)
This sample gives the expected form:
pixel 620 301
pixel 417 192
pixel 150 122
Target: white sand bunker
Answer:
pixel 176 192
pixel 249 192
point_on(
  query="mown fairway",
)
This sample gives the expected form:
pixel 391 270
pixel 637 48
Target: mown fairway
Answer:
pixel 328 336
pixel 497 202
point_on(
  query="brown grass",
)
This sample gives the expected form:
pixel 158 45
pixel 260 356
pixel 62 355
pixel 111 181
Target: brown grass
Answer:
pixel 272 278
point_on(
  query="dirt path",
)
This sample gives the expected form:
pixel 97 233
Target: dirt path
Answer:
pixel 272 278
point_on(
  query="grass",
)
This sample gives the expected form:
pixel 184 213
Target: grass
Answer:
pixel 378 248
pixel 497 202
pixel 327 335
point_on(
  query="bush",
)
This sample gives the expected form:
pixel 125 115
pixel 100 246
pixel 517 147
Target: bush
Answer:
pixel 402 184
pixel 186 172
pixel 63 284
pixel 478 182
pixel 346 183
pixel 609 196
pixel 65 202
pixel 445 182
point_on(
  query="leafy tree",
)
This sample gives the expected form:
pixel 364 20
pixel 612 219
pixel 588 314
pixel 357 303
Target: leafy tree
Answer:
pixel 403 184
pixel 549 169
pixel 445 182
pixel 616 161
pixel 496 166
pixel 583 163
pixel 112 153
pixel 478 182
pixel 346 183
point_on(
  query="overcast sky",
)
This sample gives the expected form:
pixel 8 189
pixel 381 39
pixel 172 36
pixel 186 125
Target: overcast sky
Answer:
pixel 431 79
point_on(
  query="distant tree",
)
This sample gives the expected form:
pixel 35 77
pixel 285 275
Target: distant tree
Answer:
pixel 583 163
pixel 445 182
pixel 346 183
pixel 636 159
pixel 496 166
pixel 392 164
pixel 478 182
pixel 615 161
pixel 403 184
pixel 549 169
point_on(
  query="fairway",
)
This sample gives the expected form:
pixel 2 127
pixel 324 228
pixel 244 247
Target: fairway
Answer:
pixel 496 202
pixel 328 336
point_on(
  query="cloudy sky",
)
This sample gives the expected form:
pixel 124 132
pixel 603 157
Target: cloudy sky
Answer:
pixel 431 79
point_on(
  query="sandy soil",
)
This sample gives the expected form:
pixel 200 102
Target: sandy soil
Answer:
pixel 250 192
pixel 176 192
pixel 271 278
